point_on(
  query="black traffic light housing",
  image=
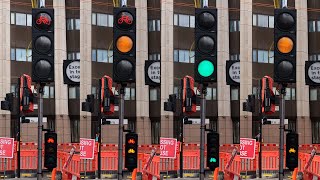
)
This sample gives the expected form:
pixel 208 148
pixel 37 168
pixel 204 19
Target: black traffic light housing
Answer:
pixel 107 96
pixel 250 104
pixel 50 150
pixel 7 104
pixel 42 45
pixel 124 45
pixel 205 66
pixel 26 95
pixel 213 145
pixel 88 106
pixel 131 151
pixel 285 24
pixel 171 105
pixel 292 150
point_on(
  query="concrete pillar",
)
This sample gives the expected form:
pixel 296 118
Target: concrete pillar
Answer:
pixel 224 115
pixel 142 93
pixel 61 90
pixel 85 64
pixel 5 72
pixel 166 65
pixel 302 90
pixel 245 64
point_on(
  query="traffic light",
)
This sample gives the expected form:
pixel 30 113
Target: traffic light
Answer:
pixel 88 106
pixel 50 151
pixel 26 95
pixel 124 45
pixel 42 45
pixel 250 104
pixel 205 66
pixel 267 96
pixel 189 97
pixel 107 97
pixel 131 151
pixel 285 45
pixel 171 104
pixel 292 148
pixel 213 150
pixel 7 104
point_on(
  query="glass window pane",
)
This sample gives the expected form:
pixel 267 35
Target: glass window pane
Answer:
pixel 271 58
pixel 150 25
pixel 72 93
pixel 102 55
pixel 110 56
pixel 318 26
pixel 192 21
pixel 175 19
pixel 176 55
pixel 183 20
pixel 153 95
pixel 77 24
pixel 293 93
pixel 29 55
pixel 21 19
pixel 271 21
pixel 94 19
pixel 153 25
pixel 234 94
pixel 254 55
pixel 214 93
pixel 254 19
pixel 191 56
pixel 133 94
pixel 20 54
pixel 158 25
pixel 46 92
pixel 69 24
pixel 110 20
pixel 29 20
pixel 262 20
pixel 127 94
pixel 175 90
pixel 312 25
pixel 13 54
pixel 313 95
pixel 209 94
pixel 77 55
pixel 51 91
pixel 288 94
pixel 102 19
pixel 12 18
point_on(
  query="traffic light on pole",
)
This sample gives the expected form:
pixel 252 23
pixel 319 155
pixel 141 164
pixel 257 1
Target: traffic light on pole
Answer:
pixel 50 151
pixel 7 104
pixel 88 106
pixel 124 45
pixel 131 151
pixel 267 96
pixel 26 95
pixel 42 45
pixel 285 45
pixel 292 148
pixel 213 150
pixel 189 97
pixel 205 45
pixel 107 97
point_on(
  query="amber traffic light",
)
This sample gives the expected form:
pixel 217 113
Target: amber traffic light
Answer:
pixel 292 148
pixel 131 151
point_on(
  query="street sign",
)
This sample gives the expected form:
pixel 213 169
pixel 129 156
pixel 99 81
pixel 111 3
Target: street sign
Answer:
pixel 86 148
pixel 233 73
pixel 116 121
pixel 312 73
pixel 6 147
pixel 71 72
pixel 152 73
pixel 277 121
pixel 247 148
pixel 168 147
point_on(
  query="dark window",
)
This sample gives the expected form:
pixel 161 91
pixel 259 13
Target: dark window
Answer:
pixel 75 130
pixel 155 132
pixel 316 131
pixel 236 130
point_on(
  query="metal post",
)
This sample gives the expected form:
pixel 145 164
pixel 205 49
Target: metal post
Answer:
pixel 284 3
pixel 205 3
pixel 5 168
pixel 99 131
pixel 202 128
pixel 260 129
pixel 124 3
pixel 85 168
pixel 120 147
pixel 40 116
pixel 41 3
pixel 282 116
pixel 18 129
pixel 181 129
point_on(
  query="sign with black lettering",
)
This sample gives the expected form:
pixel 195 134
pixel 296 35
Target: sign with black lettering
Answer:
pixel 71 72
pixel 312 73
pixel 152 73
pixel 233 73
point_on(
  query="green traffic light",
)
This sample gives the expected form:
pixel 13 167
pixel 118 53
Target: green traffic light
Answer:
pixel 205 68
pixel 213 160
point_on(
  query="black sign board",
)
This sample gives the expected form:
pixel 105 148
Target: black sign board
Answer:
pixel 312 73
pixel 233 73
pixel 71 72
pixel 152 73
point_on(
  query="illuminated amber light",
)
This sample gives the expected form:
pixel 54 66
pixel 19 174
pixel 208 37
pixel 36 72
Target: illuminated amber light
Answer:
pixel 124 44
pixel 285 45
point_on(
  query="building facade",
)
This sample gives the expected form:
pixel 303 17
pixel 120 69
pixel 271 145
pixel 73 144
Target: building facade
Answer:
pixel 165 32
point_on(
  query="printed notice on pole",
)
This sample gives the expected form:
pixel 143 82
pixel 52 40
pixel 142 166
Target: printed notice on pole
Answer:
pixel 314 72
pixel 168 147
pixel 247 148
pixel 86 148
pixel 6 147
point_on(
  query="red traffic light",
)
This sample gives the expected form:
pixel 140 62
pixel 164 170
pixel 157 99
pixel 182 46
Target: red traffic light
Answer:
pixel 125 20
pixel 50 140
pixel 131 141
pixel 43 21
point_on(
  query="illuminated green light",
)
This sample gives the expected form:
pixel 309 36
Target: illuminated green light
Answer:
pixel 213 160
pixel 205 68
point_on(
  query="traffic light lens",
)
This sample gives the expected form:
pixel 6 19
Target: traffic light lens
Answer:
pixel 42 68
pixel 43 44
pixel 125 20
pixel 285 21
pixel 205 68
pixel 285 69
pixel 124 68
pixel 43 21
pixel 124 44
pixel 285 45
pixel 206 44
pixel 206 21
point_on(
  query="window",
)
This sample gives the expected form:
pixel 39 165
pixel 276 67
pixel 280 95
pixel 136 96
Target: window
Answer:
pixel 154 25
pixel 312 26
pixel 13 54
pixel 73 55
pixel 21 54
pixel 94 19
pixel 263 20
pixel 155 132
pixel 102 55
pixel 254 20
pixel 21 19
pixel 183 56
pixel 234 56
pixel 130 93
pixel 77 24
pixel 12 18
pixel 213 123
pixel 74 92
pixel 313 94
pixel 234 94
pixel 102 19
pixel 69 24
pixel 184 20
pixel 209 93
pixel 262 56
pixel 75 130
pixel 314 57
pixel 154 56
pixel 99 19
pixel 236 131
pixel 234 26
pixel 153 94
pixel 316 131
pixel 73 24
pixel 132 125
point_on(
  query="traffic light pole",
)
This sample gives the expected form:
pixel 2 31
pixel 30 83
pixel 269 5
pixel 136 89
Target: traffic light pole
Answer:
pixel 181 130
pixel 40 118
pixel 282 116
pixel 202 128
pixel 121 117
pixel 18 130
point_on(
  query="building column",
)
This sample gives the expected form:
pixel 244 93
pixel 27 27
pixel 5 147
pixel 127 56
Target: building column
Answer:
pixel 166 65
pixel 5 72
pixel 85 64
pixel 245 65
pixel 142 91
pixel 224 107
pixel 61 90
pixel 302 90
